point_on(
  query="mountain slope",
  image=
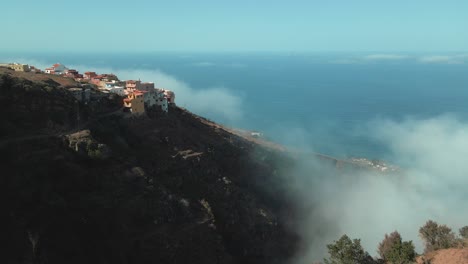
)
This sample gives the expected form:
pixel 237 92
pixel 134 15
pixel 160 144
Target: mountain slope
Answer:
pixel 109 188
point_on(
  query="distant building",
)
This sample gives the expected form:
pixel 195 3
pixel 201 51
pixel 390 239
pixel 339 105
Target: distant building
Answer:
pixel 120 90
pixel 78 77
pixel 98 81
pixel 170 95
pixel 113 83
pixel 89 75
pixel 156 98
pixel 146 86
pixel 133 85
pixel 20 67
pixel 134 103
pixel 109 77
pixel 56 69
pixel 34 69
pixel 16 66
pixel 72 73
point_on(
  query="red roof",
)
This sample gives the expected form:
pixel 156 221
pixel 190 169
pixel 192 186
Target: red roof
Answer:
pixel 56 65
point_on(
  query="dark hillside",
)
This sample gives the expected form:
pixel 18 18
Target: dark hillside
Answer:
pixel 118 189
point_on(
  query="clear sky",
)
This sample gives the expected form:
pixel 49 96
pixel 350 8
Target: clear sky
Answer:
pixel 240 25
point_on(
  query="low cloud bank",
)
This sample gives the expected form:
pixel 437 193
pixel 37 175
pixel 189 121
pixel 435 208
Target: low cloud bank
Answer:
pixel 386 57
pixel 366 204
pixel 399 58
pixel 445 59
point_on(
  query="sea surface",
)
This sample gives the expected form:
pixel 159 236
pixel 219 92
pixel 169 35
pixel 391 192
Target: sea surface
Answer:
pixel 323 102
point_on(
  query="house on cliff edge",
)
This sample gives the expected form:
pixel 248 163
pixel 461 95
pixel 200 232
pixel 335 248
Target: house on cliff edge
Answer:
pixel 134 103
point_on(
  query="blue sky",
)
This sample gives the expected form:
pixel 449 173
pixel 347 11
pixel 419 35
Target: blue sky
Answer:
pixel 241 25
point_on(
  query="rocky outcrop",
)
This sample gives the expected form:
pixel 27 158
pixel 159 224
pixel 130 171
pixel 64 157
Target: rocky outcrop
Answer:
pixel 84 144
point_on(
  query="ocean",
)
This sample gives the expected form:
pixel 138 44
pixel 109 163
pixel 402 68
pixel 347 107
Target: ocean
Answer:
pixel 322 102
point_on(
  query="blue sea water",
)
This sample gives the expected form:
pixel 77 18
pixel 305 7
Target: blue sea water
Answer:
pixel 322 101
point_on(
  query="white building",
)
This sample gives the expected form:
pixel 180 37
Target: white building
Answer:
pixel 156 97
pixel 56 69
pixel 170 95
pixel 120 90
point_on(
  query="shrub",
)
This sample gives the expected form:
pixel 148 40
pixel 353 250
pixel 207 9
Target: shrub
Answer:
pixel 436 236
pixel 464 232
pixel 347 251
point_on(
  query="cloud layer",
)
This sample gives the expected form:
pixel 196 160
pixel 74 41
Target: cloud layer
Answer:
pixel 388 57
pixel 367 205
pixel 445 59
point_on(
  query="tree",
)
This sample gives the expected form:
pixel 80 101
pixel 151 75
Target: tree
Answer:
pixel 464 232
pixel 393 250
pixel 387 243
pixel 402 253
pixel 436 236
pixel 347 251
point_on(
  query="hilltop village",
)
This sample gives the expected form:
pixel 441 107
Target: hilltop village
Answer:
pixel 138 96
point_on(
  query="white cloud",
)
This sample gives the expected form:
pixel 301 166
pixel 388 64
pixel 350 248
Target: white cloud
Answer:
pixel 218 103
pixel 367 205
pixel 372 58
pixel 385 57
pixel 204 64
pixel 445 59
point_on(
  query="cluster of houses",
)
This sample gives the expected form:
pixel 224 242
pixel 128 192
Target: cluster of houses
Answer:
pixel 139 96
pixel 20 67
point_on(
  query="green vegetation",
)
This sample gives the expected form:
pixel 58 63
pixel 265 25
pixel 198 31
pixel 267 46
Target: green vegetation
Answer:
pixel 436 236
pixel 347 251
pixel 464 232
pixel 392 249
